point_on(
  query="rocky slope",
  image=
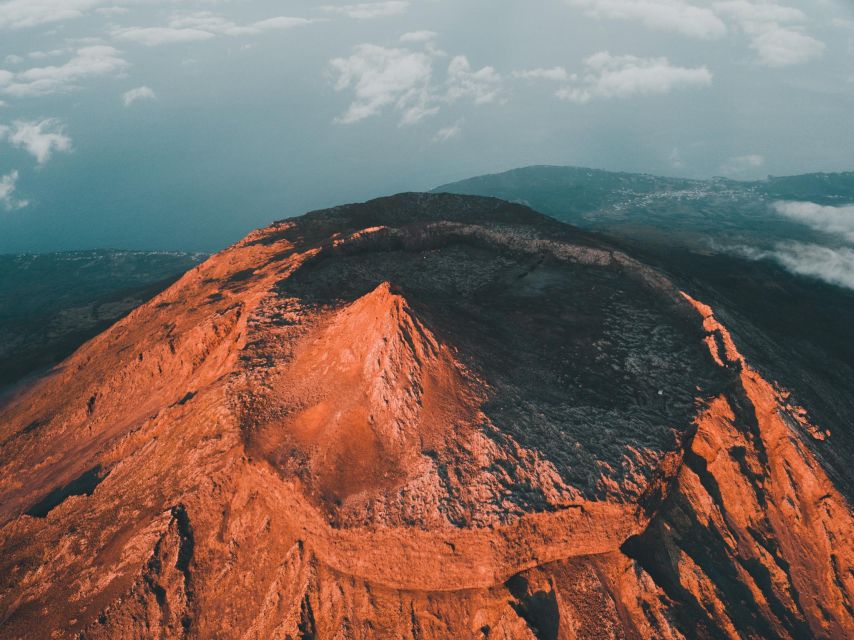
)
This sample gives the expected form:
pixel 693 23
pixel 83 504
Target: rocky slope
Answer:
pixel 426 416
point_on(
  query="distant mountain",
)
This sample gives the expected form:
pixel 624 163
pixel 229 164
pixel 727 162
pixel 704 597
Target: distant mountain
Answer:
pixel 423 417
pixel 690 212
pixel 50 303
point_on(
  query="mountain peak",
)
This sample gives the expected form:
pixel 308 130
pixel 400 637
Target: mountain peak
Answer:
pixel 423 416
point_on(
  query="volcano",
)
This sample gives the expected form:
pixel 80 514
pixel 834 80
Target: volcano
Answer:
pixel 424 416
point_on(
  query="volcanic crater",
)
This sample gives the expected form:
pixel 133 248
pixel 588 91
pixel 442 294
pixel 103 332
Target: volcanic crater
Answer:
pixel 424 416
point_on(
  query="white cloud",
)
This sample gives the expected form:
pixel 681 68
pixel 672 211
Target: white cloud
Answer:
pixel 838 221
pixel 112 11
pixel 610 76
pixel 481 86
pixel 381 77
pixel 216 24
pixel 775 32
pixel 280 22
pixel 17 14
pixel 664 15
pixel 555 73
pixel 447 133
pixel 402 79
pixel 35 55
pixel 41 55
pixel 8 184
pixel 742 164
pixel 139 93
pixel 210 23
pixel 367 10
pixel 40 138
pixel 203 25
pixel 782 47
pixel 832 265
pixel 87 62
pixel 418 36
pixel 156 36
pixel 755 14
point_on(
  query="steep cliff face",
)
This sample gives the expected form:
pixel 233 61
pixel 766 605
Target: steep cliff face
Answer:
pixel 753 540
pixel 420 417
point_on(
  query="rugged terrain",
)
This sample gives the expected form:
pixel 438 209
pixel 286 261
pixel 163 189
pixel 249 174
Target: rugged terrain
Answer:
pixel 782 286
pixel 426 416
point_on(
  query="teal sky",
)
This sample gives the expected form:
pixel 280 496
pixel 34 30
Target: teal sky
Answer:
pixel 185 124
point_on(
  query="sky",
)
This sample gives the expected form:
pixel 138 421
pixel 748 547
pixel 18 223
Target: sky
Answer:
pixel 184 124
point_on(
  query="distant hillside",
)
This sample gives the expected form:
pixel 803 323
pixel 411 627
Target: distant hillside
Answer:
pixel 633 205
pixel 51 303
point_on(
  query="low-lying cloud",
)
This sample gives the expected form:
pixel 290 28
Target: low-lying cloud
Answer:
pixel 837 221
pixel 832 265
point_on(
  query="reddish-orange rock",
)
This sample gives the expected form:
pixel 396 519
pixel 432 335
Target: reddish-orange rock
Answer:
pixel 421 417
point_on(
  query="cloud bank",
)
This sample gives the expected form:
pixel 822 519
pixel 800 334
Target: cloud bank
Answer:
pixel 831 265
pixel 837 221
